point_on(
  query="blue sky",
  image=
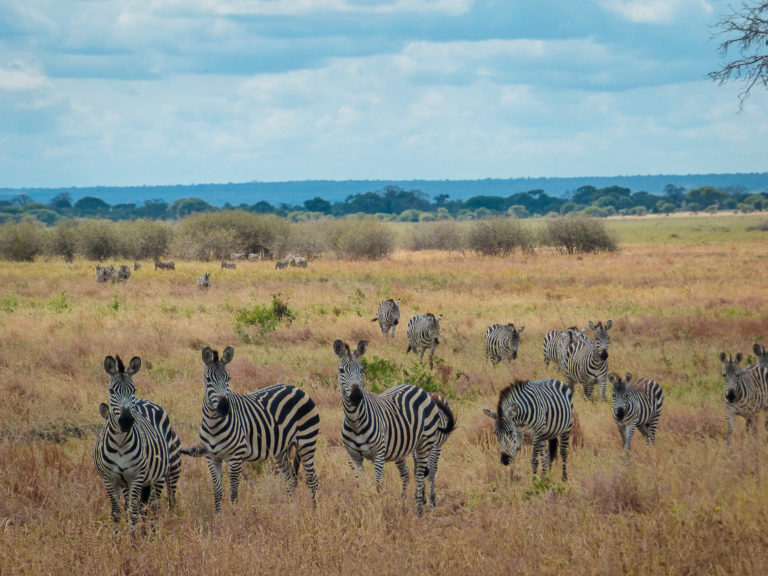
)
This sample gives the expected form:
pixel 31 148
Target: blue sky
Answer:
pixel 146 92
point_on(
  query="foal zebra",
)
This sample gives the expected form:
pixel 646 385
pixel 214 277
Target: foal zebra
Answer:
pixel 137 450
pixel 388 315
pixel 424 333
pixel 636 405
pixel 402 421
pixel 502 342
pixel 545 409
pixel 746 392
pixel 586 362
pixel 239 428
pixel 204 281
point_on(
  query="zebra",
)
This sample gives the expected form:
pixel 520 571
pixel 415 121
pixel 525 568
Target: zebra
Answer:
pixel 121 274
pixel 404 420
pixel 388 315
pixel 556 344
pixel 543 408
pixel 502 342
pixel 636 405
pixel 761 354
pixel 746 392
pixel 137 450
pixel 228 265
pixel 280 265
pixel 164 265
pixel 204 281
pixel 239 428
pixel 297 261
pixel 104 273
pixel 136 265
pixel 423 333
pixel 586 362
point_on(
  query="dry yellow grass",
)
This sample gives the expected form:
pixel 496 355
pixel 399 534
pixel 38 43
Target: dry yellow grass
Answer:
pixel 677 291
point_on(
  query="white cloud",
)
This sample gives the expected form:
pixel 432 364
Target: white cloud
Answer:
pixel 19 77
pixel 655 11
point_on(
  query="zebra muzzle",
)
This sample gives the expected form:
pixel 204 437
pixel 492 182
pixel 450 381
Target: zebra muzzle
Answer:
pixel 619 414
pixel 355 394
pixel 505 459
pixel 223 406
pixel 126 420
pixel 730 396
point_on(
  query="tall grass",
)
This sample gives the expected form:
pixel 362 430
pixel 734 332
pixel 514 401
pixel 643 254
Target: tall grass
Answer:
pixel 689 505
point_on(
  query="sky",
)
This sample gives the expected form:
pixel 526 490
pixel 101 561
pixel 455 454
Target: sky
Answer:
pixel 162 92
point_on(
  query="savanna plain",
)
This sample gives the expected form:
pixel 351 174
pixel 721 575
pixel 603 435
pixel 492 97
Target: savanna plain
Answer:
pixel 678 290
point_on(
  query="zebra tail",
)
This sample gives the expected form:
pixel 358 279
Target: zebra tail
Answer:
pixel 553 449
pixel 195 451
pixel 445 409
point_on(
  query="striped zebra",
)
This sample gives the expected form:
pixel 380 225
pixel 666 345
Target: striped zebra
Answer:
pixel 104 273
pixel 228 265
pixel 239 428
pixel 761 354
pixel 636 405
pixel 388 315
pixel 586 362
pixel 204 281
pixel 543 408
pixel 388 427
pixel 502 342
pixel 746 392
pixel 164 265
pixel 281 265
pixel 137 451
pixel 121 274
pixel 556 343
pixel 423 333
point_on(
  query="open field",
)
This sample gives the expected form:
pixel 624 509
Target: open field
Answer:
pixel 679 291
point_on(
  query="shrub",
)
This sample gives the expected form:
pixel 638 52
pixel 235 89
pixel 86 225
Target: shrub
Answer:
pixel 266 317
pixel 63 240
pixel 499 237
pixel 362 238
pixel 380 374
pixel 97 239
pixel 575 235
pixel 20 242
pixel 441 235
pixel 145 239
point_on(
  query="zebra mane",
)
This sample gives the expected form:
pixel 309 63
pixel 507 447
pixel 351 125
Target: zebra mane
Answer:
pixel 507 392
pixel 120 365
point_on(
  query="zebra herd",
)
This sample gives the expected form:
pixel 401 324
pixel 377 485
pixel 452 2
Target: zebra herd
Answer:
pixel 139 454
pixel 110 272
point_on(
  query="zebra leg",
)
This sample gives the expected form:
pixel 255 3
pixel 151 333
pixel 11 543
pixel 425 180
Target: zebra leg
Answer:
pixel 434 456
pixel 420 465
pixel 751 425
pixel 378 467
pixel 629 432
pixel 601 386
pixel 356 463
pixel 235 468
pixel 729 420
pixel 114 502
pixel 286 468
pixel 565 440
pixel 214 466
pixel 538 446
pixel 431 356
pixel 134 496
pixel 405 476
pixel 306 454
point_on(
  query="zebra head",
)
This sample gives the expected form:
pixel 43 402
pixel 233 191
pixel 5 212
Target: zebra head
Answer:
pixel 217 379
pixel 350 371
pixel 602 338
pixel 434 326
pixel 121 390
pixel 619 388
pixel 731 375
pixel 514 338
pixel 762 355
pixel 506 430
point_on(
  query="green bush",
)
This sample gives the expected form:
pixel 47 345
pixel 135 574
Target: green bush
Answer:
pixel 500 237
pixel 98 239
pixel 441 235
pixel 21 242
pixel 575 235
pixel 363 238
pixel 265 317
pixel 380 374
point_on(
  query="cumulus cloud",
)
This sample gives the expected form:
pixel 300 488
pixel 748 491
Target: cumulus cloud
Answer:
pixel 655 11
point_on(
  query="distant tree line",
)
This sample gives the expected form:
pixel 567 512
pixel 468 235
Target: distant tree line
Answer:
pixel 394 203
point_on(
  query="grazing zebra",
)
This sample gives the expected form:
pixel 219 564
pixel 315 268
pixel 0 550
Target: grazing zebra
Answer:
pixel 121 274
pixel 543 408
pixel 239 428
pixel 280 265
pixel 229 265
pixel 746 391
pixel 636 404
pixel 297 261
pixel 762 355
pixel 204 281
pixel 586 362
pixel 402 421
pixel 502 341
pixel 388 315
pixel 104 273
pixel 556 344
pixel 167 265
pixel 137 450
pixel 424 333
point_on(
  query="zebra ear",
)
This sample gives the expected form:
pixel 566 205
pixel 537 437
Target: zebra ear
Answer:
pixel 491 414
pixel 613 379
pixel 227 355
pixel 362 346
pixel 757 349
pixel 628 377
pixel 134 365
pixel 608 324
pixel 439 316
pixel 104 411
pixel 519 330
pixel 738 358
pixel 723 357
pixel 592 326
pixel 207 355
pixel 340 348
pixel 110 365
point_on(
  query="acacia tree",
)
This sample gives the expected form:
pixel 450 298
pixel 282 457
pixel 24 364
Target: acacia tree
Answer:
pixel 745 33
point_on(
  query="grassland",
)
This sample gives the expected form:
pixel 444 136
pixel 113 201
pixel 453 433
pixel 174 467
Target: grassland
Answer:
pixel 679 291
